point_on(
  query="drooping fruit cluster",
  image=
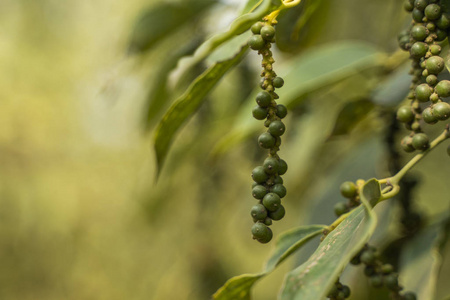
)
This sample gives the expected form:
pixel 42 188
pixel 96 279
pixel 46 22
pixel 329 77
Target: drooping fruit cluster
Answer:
pixel 268 185
pixel 380 274
pixel 339 291
pixel 350 191
pixel 428 28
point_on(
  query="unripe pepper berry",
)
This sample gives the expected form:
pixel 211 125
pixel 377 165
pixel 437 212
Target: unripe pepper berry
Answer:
pixel 267 32
pixel 271 201
pixel 263 99
pixel 278 214
pixel 258 212
pixel 266 140
pixel 259 175
pixel 256 42
pixel 348 189
pixel 277 128
pixel 441 111
pixel 420 141
pixel 261 232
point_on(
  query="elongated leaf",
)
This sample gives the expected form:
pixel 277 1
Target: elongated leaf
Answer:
pixel 161 20
pixel 421 261
pixel 251 6
pixel 239 26
pixel 158 95
pixel 314 70
pixel 188 103
pixel 351 114
pixel 313 279
pixel 239 287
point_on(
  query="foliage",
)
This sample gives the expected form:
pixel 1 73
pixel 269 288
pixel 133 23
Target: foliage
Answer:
pixel 81 213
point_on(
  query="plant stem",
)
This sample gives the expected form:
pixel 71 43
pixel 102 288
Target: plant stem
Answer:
pixel 397 177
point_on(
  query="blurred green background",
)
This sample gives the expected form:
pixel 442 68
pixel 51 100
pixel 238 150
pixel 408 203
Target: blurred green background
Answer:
pixel 81 213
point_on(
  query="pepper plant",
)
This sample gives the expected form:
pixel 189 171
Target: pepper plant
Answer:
pixel 414 104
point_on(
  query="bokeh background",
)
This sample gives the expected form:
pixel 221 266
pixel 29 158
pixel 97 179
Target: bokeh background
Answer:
pixel 82 215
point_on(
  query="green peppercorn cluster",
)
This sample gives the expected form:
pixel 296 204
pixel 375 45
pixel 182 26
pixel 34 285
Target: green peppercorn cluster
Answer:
pixel 268 185
pixel 429 27
pixel 380 274
pixel 350 191
pixel 339 291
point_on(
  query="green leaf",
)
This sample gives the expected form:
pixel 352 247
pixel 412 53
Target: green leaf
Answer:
pixel 350 115
pixel 301 25
pixel 251 6
pixel 188 103
pixel 239 26
pixel 313 279
pixel 163 19
pixel 239 287
pixel 314 70
pixel 421 260
pixel 157 96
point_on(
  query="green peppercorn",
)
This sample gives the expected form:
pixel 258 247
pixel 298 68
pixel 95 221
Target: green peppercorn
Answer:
pixel 434 64
pixel 348 189
pixel 408 6
pixel 278 214
pixel 259 113
pixel 391 281
pixel 443 22
pixel 376 281
pixel 435 49
pixel 278 82
pixel 423 92
pixel 340 208
pixel 271 165
pixel 432 11
pixel 266 140
pixel 263 99
pixel 432 80
pixel 281 111
pixel 346 291
pixel 417 15
pixel 368 257
pixel 419 32
pixel 267 32
pixel 279 189
pixel 261 232
pixel 278 179
pixel 259 191
pixel 258 212
pixel 443 88
pixel 256 28
pixel 282 167
pixel 256 42
pixel 405 114
pixel 406 144
pixel 440 35
pixel 441 110
pixel 420 141
pixel 387 268
pixel 268 221
pixel 259 175
pixel 418 50
pixel 403 42
pixel 271 201
pixel 431 26
pixel 428 116
pixel 277 128
pixel 420 4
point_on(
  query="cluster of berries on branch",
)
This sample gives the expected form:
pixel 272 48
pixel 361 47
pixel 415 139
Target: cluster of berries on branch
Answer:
pixel 268 186
pixel 428 29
